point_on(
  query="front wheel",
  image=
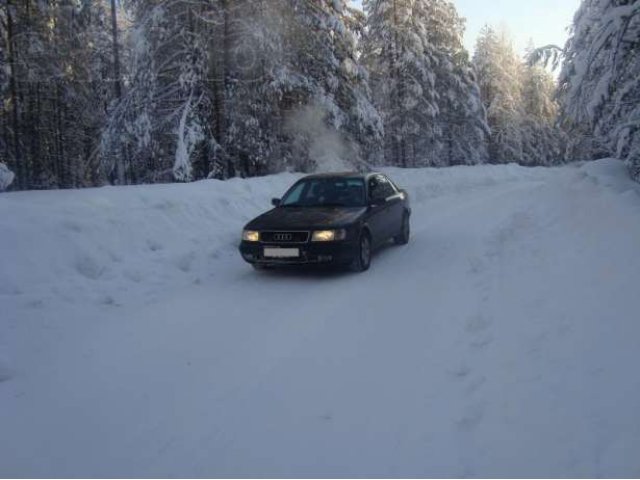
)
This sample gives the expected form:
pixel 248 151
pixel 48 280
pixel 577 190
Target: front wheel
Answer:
pixel 405 233
pixel 363 261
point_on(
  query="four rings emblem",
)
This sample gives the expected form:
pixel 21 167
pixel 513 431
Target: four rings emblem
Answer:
pixel 282 237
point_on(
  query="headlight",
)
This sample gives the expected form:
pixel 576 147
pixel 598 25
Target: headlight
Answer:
pixel 250 236
pixel 329 235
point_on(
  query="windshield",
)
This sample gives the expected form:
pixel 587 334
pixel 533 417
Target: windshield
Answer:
pixel 326 192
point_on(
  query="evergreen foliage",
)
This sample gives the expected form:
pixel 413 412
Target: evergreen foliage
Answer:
pixel 141 91
pixel 599 82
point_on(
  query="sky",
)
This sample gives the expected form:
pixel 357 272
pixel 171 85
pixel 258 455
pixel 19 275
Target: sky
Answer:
pixel 543 21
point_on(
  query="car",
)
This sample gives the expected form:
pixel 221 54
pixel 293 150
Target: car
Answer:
pixel 331 220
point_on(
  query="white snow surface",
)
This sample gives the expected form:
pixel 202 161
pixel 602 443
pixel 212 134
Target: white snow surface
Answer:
pixel 503 341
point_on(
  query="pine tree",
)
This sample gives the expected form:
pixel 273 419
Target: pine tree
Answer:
pixel 543 142
pixel 328 112
pixel 599 88
pixel 217 89
pixel 402 80
pixel 256 50
pixel 462 118
pixel 161 126
pixel 499 76
pixel 53 82
pixel 424 85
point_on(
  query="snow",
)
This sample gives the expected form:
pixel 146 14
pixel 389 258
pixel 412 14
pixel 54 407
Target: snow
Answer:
pixel 502 341
pixel 6 177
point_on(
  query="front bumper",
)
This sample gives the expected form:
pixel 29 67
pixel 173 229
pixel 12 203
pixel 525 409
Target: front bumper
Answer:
pixel 330 253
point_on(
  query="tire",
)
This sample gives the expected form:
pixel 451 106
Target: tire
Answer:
pixel 405 234
pixel 363 261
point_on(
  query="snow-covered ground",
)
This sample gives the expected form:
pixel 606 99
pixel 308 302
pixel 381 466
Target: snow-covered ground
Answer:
pixel 503 341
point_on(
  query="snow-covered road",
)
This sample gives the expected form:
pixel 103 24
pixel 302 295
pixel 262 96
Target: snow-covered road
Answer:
pixel 503 341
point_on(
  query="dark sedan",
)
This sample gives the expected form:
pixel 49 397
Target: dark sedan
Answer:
pixel 329 219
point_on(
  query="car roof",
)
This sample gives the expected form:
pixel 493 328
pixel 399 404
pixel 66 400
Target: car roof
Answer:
pixel 339 175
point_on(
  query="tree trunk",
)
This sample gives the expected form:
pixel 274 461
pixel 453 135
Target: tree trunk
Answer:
pixel 123 162
pixel 116 51
pixel 226 55
pixel 13 90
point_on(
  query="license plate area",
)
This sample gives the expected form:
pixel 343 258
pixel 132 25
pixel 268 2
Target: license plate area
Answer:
pixel 274 252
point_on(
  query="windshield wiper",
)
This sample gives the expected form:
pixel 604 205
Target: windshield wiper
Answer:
pixel 316 205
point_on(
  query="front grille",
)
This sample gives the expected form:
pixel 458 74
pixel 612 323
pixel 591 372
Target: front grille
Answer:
pixel 284 237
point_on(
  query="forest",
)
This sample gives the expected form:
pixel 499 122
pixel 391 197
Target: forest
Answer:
pixel 106 92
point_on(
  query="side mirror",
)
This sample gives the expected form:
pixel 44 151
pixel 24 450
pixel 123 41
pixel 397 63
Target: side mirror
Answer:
pixel 275 202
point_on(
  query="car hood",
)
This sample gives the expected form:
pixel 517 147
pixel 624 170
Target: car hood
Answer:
pixel 307 218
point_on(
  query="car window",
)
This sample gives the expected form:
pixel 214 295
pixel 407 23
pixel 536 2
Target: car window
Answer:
pixel 380 188
pixel 386 187
pixel 396 188
pixel 293 196
pixel 341 192
pixel 375 192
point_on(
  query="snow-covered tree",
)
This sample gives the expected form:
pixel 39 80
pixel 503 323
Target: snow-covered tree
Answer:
pixel 53 90
pixel 462 117
pixel 322 72
pixel 255 52
pixel 543 141
pixel 215 85
pixel 520 100
pixel 499 75
pixel 423 83
pixel 402 80
pixel 599 87
pixel 158 128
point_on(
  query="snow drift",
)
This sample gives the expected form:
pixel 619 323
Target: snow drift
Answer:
pixel 137 243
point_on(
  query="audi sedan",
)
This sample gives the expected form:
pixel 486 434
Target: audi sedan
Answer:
pixel 329 219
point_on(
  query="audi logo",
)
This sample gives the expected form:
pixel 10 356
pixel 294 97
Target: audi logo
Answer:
pixel 282 237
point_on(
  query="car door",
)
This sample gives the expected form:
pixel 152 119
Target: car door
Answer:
pixel 378 209
pixel 395 208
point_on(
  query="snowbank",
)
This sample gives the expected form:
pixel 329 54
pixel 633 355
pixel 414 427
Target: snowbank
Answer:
pixel 117 244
